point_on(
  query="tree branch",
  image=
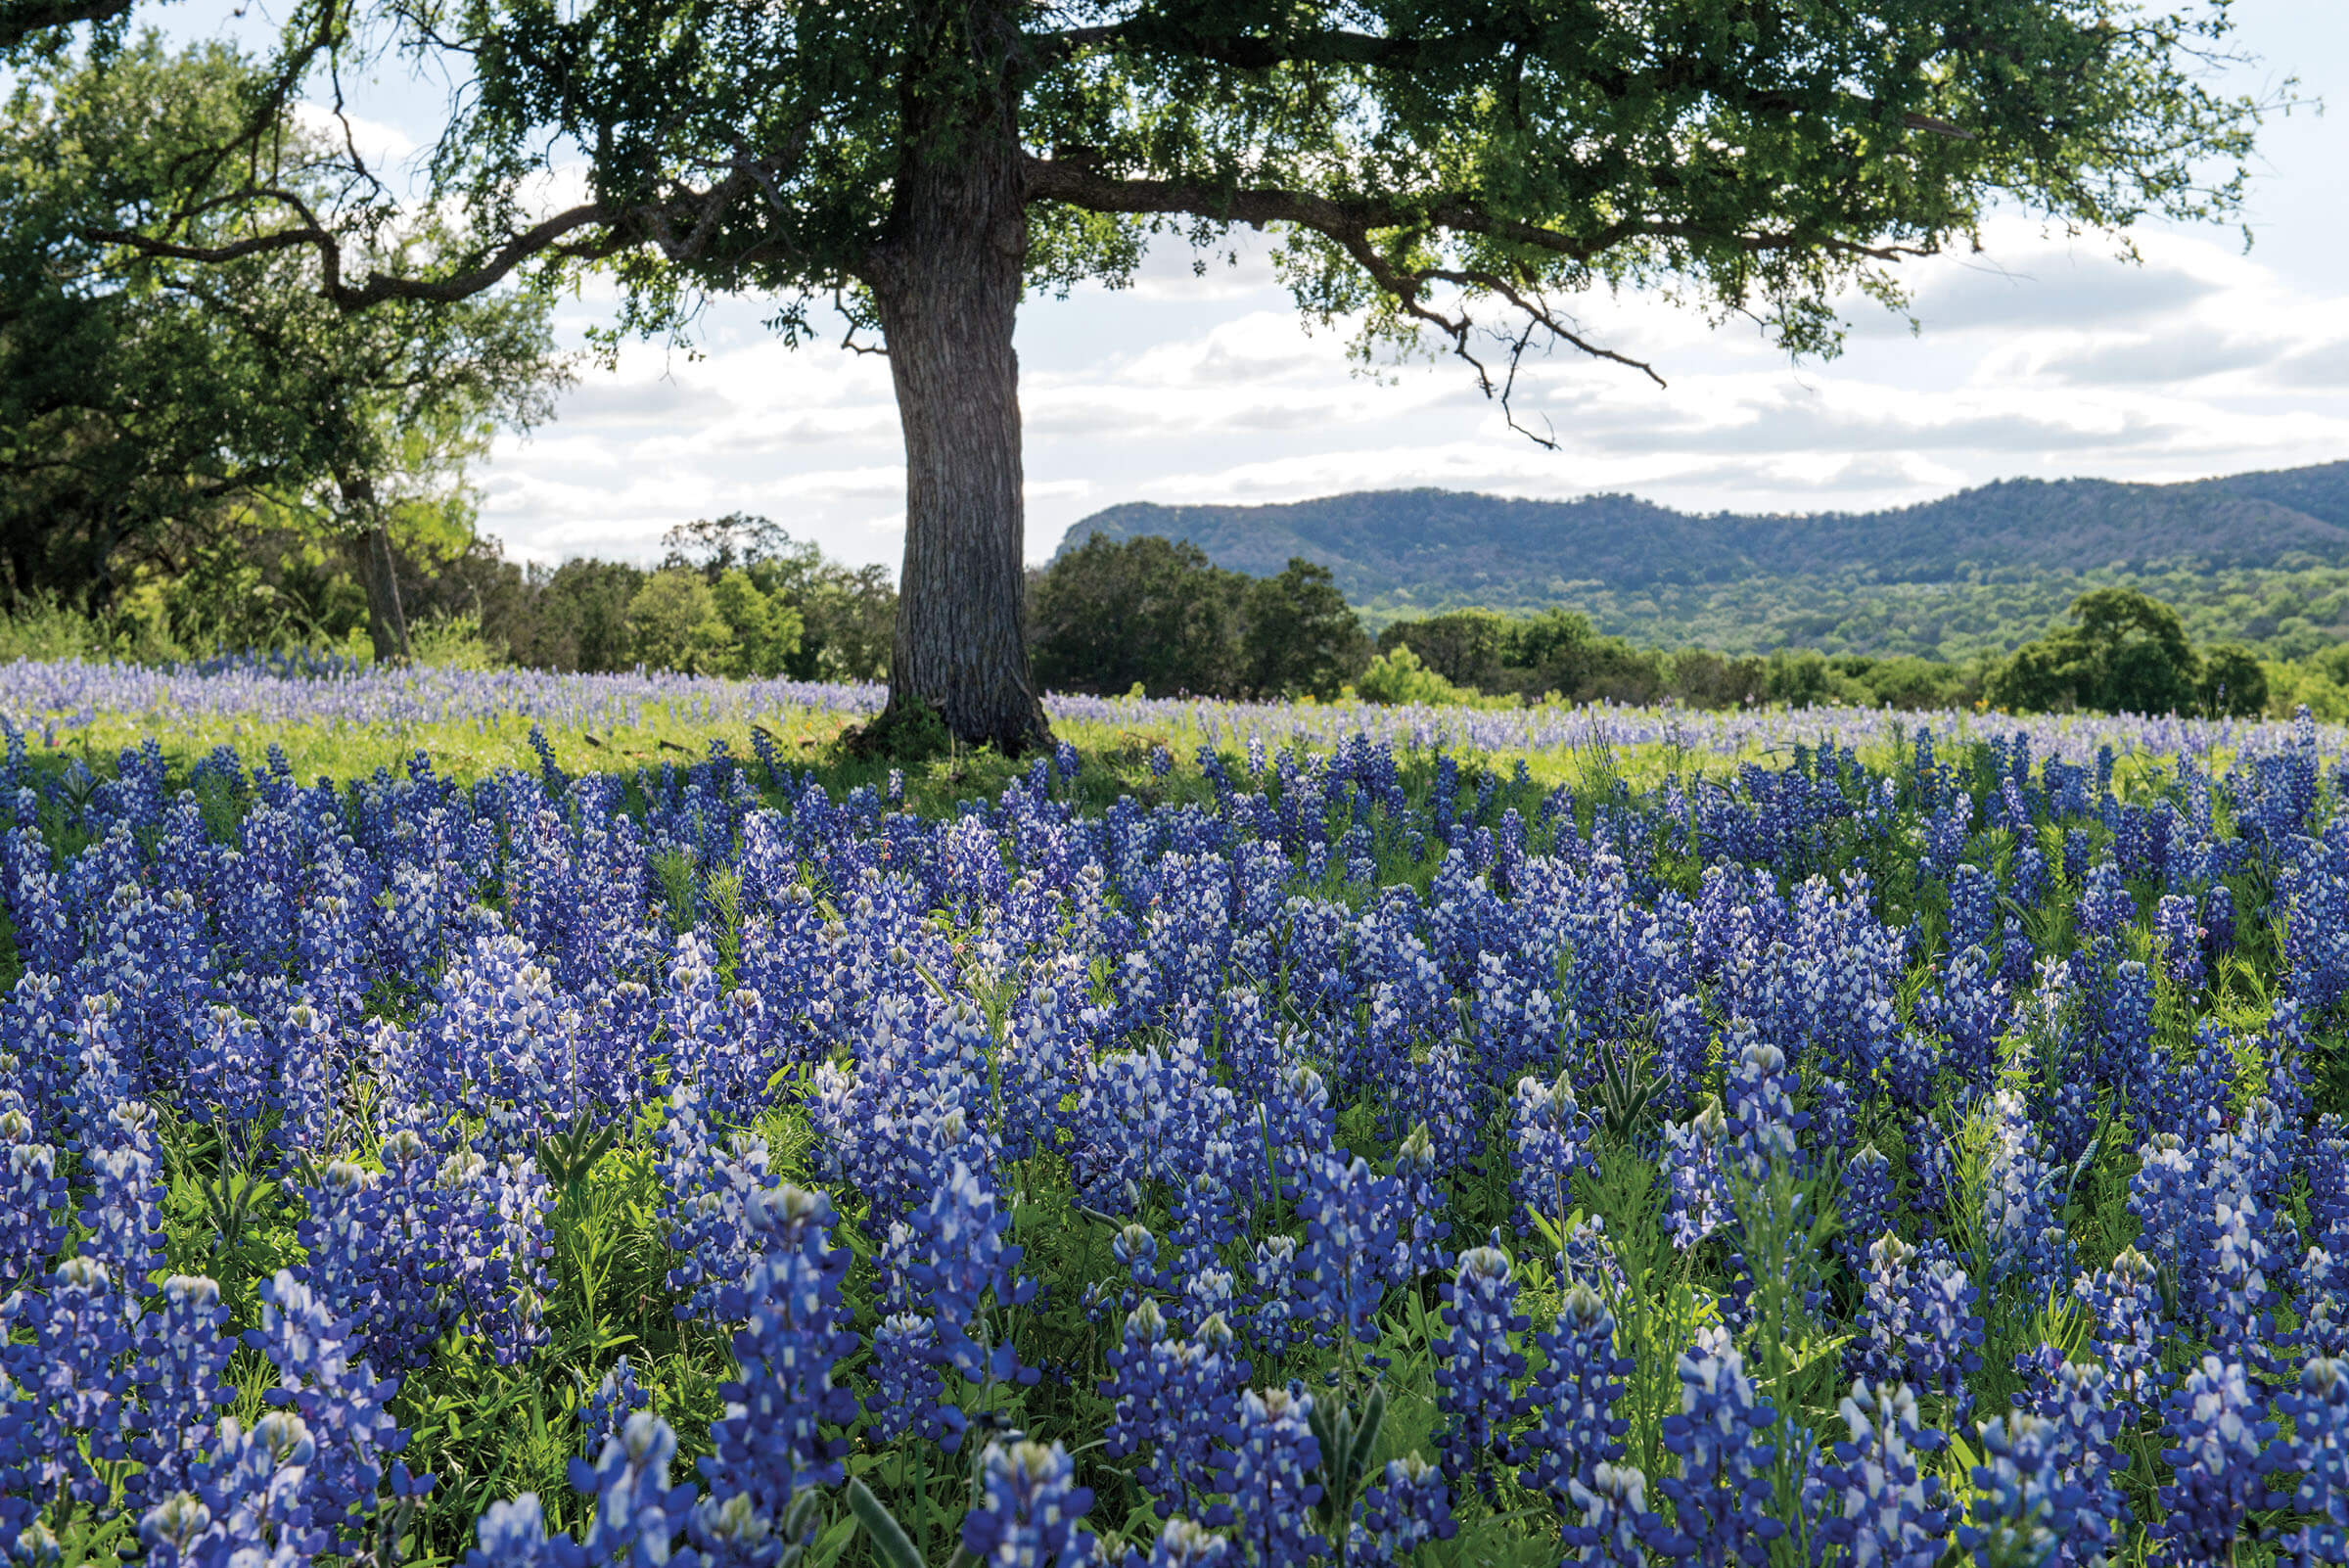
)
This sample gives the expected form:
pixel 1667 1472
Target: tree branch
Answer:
pixel 1079 184
pixel 20 20
pixel 381 286
pixel 1323 47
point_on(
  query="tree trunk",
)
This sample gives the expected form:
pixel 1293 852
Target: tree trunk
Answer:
pixel 379 574
pixel 948 281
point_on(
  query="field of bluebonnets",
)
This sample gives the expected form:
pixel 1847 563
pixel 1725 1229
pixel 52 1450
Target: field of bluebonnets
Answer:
pixel 1245 1136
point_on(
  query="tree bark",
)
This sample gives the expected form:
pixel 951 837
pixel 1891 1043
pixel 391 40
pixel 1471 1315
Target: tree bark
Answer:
pixel 946 280
pixel 379 574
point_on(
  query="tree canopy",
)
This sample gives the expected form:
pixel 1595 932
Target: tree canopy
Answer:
pixel 1452 176
pixel 2127 653
pixel 1115 615
pixel 149 405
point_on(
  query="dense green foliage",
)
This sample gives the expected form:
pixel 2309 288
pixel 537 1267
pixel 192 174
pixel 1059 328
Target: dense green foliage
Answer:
pixel 2123 653
pixel 1558 652
pixel 734 596
pixel 2127 653
pixel 216 449
pixel 1109 617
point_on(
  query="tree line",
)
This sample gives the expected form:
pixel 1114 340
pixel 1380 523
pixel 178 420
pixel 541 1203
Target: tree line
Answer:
pixel 1159 615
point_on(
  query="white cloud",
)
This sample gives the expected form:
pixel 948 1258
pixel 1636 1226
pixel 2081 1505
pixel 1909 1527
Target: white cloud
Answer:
pixel 2062 360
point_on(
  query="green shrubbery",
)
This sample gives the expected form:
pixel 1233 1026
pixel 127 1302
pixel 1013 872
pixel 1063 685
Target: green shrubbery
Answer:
pixel 1109 617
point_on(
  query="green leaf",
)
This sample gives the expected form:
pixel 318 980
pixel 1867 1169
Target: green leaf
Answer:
pixel 831 1545
pixel 1365 1436
pixel 890 1539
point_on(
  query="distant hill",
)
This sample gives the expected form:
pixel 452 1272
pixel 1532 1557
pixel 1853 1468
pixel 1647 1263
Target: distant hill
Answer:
pixel 2259 557
pixel 1429 548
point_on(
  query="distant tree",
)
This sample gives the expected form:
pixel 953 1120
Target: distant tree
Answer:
pixel 1147 612
pixel 1908 682
pixel 1541 639
pixel 2126 651
pixel 1302 637
pixel 2234 685
pixel 765 630
pixel 1706 679
pixel 1454 175
pixel 580 619
pixel 716 544
pixel 1397 677
pixel 1801 677
pixel 1466 647
pixel 822 621
pixel 675 623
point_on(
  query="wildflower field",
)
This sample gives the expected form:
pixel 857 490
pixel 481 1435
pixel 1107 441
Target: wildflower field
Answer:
pixel 543 1122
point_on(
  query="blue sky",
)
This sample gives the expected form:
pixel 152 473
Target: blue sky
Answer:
pixel 2040 357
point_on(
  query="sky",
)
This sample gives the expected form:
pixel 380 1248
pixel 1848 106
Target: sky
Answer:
pixel 2038 356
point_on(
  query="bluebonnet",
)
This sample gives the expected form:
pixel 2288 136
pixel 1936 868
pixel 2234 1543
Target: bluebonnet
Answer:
pixel 1718 1496
pixel 1969 1010
pixel 2127 1323
pixel 1476 1366
pixel 2178 939
pixel 1613 1523
pixel 1550 1133
pixel 1175 1398
pixel 513 1534
pixel 607 1409
pixel 1182 1543
pixel 1764 1124
pixel 1208 1220
pixel 1889 1510
pixel 908 1392
pixel 2083 1434
pixel 2165 1193
pixel 1277 1297
pixel 1916 1323
pixel 1134 1248
pixel 1589 1258
pixel 2319 1457
pixel 124 1223
pixel 181 1358
pixel 32 1200
pixel 2022 1507
pixel 1973 907
pixel 638 1514
pixel 1272 1455
pixel 249 1503
pixel 1420 1229
pixel 334 1391
pixel 64 1349
pixel 964 1262
pixel 1406 1508
pixel 770 1442
pixel 2022 1233
pixel 1865 1201
pixel 1348 1215
pixel 1028 1510
pixel 1698 1201
pixel 2217 1432
pixel 2230 1286
pixel 1572 1400
pixel 705 1194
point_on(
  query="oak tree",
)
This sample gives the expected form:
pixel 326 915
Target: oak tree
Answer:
pixel 1446 173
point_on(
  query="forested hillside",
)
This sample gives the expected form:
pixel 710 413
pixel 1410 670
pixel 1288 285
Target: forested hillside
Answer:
pixel 2262 557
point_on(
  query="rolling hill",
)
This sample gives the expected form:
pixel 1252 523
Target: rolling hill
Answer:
pixel 1968 573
